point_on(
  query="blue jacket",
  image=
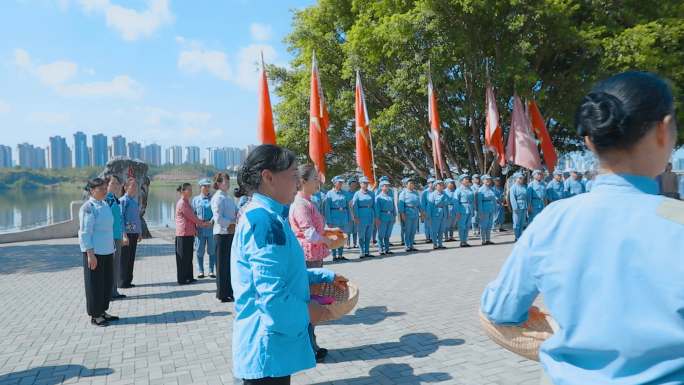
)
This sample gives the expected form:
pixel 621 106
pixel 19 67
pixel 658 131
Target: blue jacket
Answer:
pixel 424 197
pixel 520 197
pixel 117 227
pixel 573 187
pixel 537 194
pixel 409 204
pixel 466 200
pixel 486 200
pixel 95 230
pixel 384 208
pixel 201 205
pixel 271 285
pixel 609 267
pixel 438 205
pixel 130 210
pixel 555 191
pixel 336 209
pixel 363 205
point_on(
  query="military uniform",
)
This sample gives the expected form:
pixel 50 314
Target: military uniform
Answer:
pixel 424 195
pixel 499 214
pixel 386 213
pixel 336 208
pixel 452 226
pixel 475 222
pixel 555 190
pixel 352 231
pixel 537 196
pixel 465 199
pixel 363 206
pixel 410 206
pixel 438 209
pixel 520 199
pixel 486 207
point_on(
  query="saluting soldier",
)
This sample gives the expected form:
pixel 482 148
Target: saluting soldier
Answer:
pixel 465 199
pixel 438 207
pixel 363 205
pixel 410 209
pixel 337 213
pixel 537 193
pixel 520 200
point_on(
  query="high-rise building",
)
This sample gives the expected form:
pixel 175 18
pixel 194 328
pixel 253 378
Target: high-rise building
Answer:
pixel 81 153
pixel 5 156
pixel 226 157
pixel 192 155
pixel 29 156
pixel 135 150
pixel 100 155
pixel 118 146
pixel 59 154
pixel 679 165
pixel 217 158
pixel 152 154
pixel 174 155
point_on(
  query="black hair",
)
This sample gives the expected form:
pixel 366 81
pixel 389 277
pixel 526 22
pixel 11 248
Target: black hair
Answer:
pixel 183 187
pixel 620 110
pixel 307 172
pixel 93 183
pixel 265 157
pixel 219 178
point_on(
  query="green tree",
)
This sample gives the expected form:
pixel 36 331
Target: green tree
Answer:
pixel 513 44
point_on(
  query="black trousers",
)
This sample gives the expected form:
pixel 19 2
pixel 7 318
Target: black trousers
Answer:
pixel 268 381
pixel 98 284
pixel 127 261
pixel 224 288
pixel 184 248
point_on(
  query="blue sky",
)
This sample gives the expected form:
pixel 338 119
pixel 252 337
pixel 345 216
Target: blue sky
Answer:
pixel 165 71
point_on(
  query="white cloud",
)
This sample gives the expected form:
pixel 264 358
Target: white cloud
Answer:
pixel 132 24
pixel 248 59
pixel 49 118
pixel 198 60
pixel 59 75
pixel 260 32
pixel 4 107
pixel 121 86
pixel 169 124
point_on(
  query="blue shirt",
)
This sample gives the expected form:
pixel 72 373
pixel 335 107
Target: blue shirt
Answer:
pixel 201 205
pixel 363 205
pixel 438 205
pixel 609 265
pixel 117 226
pixel 336 208
pixel 271 285
pixel 537 194
pixel 520 197
pixel 573 187
pixel 384 207
pixel 555 190
pixel 466 200
pixel 95 227
pixel 424 196
pixel 486 200
pixel 409 204
pixel 131 215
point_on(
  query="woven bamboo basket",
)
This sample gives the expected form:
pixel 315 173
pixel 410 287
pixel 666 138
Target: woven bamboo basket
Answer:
pixel 522 340
pixel 338 238
pixel 345 301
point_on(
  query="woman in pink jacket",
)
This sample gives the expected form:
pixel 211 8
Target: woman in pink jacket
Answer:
pixel 308 226
pixel 186 223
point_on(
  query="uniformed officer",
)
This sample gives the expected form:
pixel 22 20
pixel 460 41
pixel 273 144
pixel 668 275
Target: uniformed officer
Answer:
pixel 385 215
pixel 337 213
pixel 486 207
pixel 574 185
pixel 538 194
pixel 453 224
pixel 204 240
pixel 375 192
pixel 424 201
pixel 555 190
pixel 401 221
pixel 352 232
pixel 476 184
pixel 520 199
pixel 499 214
pixel 364 215
pixel 438 209
pixel 465 199
pixel 410 210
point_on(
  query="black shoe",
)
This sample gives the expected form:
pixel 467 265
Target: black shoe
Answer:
pixel 191 280
pixel 428 241
pixel 101 323
pixel 389 253
pixel 200 276
pixel 119 296
pixel 212 275
pixel 131 285
pixel 109 317
pixel 363 256
pixel 382 253
pixel 435 247
pixel 321 354
pixel 442 247
pixel 465 245
pixel 227 299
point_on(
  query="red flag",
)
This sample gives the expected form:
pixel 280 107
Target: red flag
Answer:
pixel 550 157
pixel 364 142
pixel 325 122
pixel 521 148
pixel 435 129
pixel 318 137
pixel 493 131
pixel 265 131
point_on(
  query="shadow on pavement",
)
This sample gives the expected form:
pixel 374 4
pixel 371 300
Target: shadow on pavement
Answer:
pixel 393 373
pixel 370 315
pixel 418 345
pixel 168 295
pixel 50 375
pixel 172 317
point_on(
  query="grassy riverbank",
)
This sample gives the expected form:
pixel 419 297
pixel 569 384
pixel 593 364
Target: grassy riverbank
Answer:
pixel 66 179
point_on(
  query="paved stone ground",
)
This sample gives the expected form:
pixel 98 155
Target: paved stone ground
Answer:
pixel 415 322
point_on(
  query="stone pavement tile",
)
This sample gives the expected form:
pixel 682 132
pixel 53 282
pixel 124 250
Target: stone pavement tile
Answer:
pixel 416 322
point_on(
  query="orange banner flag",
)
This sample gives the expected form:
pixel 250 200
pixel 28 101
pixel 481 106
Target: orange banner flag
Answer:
pixel 265 130
pixel 318 137
pixel 364 142
pixel 435 130
pixel 549 152
pixel 493 131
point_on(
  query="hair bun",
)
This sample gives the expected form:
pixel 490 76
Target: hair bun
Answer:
pixel 601 115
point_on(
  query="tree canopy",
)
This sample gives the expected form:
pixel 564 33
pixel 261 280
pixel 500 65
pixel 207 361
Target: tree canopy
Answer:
pixel 560 46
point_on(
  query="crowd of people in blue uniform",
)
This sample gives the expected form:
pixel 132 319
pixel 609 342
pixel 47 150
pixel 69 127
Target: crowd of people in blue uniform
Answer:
pixel 468 206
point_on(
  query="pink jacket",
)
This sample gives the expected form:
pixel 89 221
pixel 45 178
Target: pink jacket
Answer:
pixel 186 220
pixel 308 225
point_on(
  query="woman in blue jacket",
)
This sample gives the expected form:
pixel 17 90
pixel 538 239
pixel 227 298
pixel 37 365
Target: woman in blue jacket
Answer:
pixel 608 263
pixel 269 275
